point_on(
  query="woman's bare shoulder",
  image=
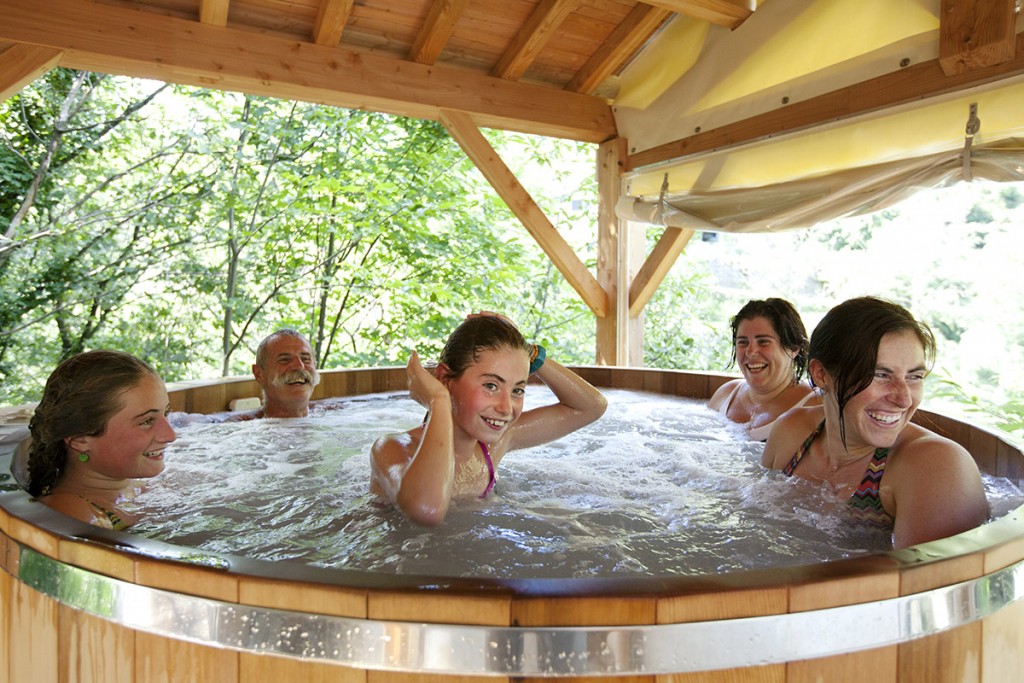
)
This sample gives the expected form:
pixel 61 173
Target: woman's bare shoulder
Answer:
pixel 722 393
pixel 788 432
pixel 71 505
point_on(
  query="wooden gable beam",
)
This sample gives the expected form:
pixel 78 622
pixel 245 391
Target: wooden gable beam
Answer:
pixel 912 84
pixel 532 37
pixel 214 12
pixel 114 39
pixel 975 33
pixel 628 37
pixel 508 187
pixel 728 13
pixel 656 267
pixel 436 30
pixel 22 64
pixel 331 18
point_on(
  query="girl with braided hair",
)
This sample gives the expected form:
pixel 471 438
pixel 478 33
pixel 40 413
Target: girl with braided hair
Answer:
pixel 100 425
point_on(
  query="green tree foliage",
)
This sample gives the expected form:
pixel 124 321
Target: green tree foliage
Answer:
pixel 183 225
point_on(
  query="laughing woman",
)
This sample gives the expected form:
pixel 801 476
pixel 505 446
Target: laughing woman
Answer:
pixel 869 358
pixel 100 426
pixel 770 348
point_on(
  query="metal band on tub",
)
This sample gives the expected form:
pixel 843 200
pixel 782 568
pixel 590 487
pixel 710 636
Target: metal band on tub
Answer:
pixel 523 651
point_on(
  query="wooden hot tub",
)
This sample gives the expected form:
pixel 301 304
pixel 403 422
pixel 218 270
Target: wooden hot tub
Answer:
pixel 84 604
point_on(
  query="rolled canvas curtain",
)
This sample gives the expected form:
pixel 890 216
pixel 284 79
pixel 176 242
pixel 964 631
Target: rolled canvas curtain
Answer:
pixel 809 201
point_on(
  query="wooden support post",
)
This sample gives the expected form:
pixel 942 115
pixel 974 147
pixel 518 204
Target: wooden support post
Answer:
pixel 620 245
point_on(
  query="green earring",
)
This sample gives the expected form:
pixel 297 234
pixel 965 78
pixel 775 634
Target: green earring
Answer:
pixel 83 456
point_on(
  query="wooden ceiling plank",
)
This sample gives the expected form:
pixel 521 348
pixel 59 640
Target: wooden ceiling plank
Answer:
pixel 465 132
pixel 113 39
pixel 532 37
pixel 658 264
pixel 331 18
pixel 975 34
pixel 21 64
pixel 727 13
pixel 911 84
pixel 436 30
pixel 628 37
pixel 214 12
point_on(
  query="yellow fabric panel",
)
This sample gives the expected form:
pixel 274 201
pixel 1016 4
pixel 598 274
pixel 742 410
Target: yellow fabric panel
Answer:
pixel 829 32
pixel 672 54
pixel 903 135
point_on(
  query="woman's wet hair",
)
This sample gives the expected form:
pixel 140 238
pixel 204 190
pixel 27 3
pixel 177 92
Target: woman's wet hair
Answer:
pixel 80 397
pixel 787 325
pixel 476 334
pixel 846 342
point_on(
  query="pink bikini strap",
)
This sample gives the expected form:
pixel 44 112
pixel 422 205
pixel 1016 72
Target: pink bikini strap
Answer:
pixel 490 469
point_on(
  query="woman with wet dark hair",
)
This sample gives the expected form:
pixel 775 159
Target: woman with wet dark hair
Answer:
pixel 869 359
pixel 769 344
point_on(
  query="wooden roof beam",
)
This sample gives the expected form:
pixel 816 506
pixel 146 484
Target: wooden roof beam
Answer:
pixel 727 13
pixel 508 187
pixel 656 267
pixel 975 34
pixel 115 39
pixel 214 12
pixel 531 39
pixel 628 37
pixel 331 18
pixel 22 64
pixel 436 30
pixel 912 84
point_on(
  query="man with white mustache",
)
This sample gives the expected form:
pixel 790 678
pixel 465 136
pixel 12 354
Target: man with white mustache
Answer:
pixel 286 371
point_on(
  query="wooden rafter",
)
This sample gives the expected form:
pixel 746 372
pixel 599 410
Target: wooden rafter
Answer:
pixel 508 187
pixel 656 267
pixel 22 64
pixel 638 26
pixel 728 13
pixel 436 30
pixel 535 34
pixel 975 34
pixel 214 12
pixel 136 44
pixel 331 18
pixel 912 84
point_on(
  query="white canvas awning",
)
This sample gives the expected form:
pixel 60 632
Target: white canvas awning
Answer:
pixel 777 81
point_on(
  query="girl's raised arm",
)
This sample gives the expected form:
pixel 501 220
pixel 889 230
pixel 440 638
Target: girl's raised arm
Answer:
pixel 579 404
pixel 415 470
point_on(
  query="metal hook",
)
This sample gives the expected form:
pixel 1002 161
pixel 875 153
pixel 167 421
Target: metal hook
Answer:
pixel 973 126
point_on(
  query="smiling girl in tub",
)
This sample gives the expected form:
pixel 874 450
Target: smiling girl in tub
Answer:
pixel 475 403
pixel 770 347
pixel 101 424
pixel 869 359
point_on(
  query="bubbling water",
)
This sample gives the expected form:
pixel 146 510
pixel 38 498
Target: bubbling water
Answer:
pixel 660 486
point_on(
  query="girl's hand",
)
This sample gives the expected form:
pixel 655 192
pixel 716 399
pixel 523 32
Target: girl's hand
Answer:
pixel 423 386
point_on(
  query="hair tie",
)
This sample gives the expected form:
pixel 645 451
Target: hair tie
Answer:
pixel 537 356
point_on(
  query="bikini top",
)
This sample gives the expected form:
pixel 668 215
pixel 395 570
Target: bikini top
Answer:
pixel 490 469
pixel 866 501
pixel 490 465
pixel 116 523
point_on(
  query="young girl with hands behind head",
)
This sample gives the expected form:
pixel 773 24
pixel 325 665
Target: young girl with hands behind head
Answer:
pixel 475 403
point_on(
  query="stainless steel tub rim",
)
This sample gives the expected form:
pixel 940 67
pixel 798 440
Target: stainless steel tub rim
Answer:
pixel 523 651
